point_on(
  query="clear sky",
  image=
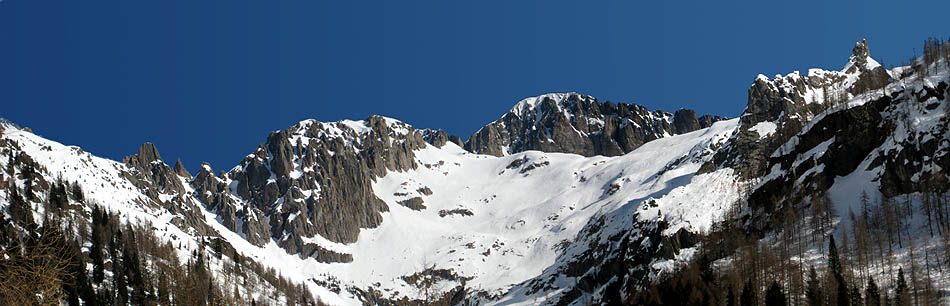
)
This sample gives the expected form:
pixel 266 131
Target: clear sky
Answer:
pixel 207 80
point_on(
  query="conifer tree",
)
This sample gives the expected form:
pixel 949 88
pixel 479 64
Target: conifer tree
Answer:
pixel 28 189
pixel 57 195
pixel 774 295
pixel 77 285
pixel 731 297
pixel 856 299
pixel 834 262
pixel 871 295
pixel 813 293
pixel 98 241
pixel 118 270
pixel 834 265
pixel 901 294
pixel 131 265
pixel 77 193
pixel 20 210
pixel 748 296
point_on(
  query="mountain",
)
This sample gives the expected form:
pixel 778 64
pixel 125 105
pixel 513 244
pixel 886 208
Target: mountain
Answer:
pixel 579 124
pixel 564 200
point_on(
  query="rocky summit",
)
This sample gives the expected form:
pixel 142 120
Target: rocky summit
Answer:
pixel 563 200
pixel 579 124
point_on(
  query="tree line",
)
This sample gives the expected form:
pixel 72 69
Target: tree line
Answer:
pixel 55 250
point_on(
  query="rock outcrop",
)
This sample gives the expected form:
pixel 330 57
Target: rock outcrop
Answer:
pixel 181 171
pixel 152 174
pixel 579 124
pixel 311 179
pixel 785 104
pixel 439 138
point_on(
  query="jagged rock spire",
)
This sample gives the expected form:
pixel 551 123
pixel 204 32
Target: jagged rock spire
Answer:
pixel 147 153
pixel 150 172
pixel 180 170
pixel 579 124
pixel 789 101
pixel 861 50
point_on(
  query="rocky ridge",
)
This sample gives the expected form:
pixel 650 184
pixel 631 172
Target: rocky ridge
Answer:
pixel 799 138
pixel 780 107
pixel 580 124
pixel 796 137
pixel 311 179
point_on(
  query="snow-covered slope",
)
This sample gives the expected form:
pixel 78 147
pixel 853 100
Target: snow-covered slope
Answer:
pixel 495 221
pixel 580 124
pixel 173 217
pixel 565 199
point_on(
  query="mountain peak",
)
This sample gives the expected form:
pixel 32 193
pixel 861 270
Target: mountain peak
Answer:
pixel 180 169
pixel 530 103
pixel 579 124
pixel 860 49
pixel 146 154
pixel 860 60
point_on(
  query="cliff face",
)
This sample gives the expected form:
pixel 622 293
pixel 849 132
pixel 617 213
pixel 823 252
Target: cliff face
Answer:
pixel 780 107
pixel 579 124
pixel 525 226
pixel 312 179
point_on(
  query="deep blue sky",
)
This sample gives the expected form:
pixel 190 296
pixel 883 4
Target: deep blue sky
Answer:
pixel 207 80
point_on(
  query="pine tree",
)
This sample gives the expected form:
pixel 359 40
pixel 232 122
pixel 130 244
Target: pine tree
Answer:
pixel 98 241
pixel 856 299
pixel 136 281
pixel 731 297
pixel 901 294
pixel 20 210
pixel 748 296
pixel 813 293
pixel 834 262
pixel 57 195
pixel 774 295
pixel 118 270
pixel 871 295
pixel 77 193
pixel 834 265
pixel 844 297
pixel 28 189
pixel 77 285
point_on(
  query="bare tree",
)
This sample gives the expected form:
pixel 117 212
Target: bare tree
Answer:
pixel 33 274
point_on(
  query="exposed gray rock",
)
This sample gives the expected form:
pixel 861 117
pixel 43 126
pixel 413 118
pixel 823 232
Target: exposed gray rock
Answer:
pixel 707 120
pixel 415 203
pixel 574 123
pixel 313 179
pixel 255 228
pixel 868 78
pixel 439 138
pixel 281 153
pixel 152 174
pixel 790 102
pixel 685 121
pixel 425 191
pixel 181 171
pixel 147 153
pixel 187 216
pixel 464 212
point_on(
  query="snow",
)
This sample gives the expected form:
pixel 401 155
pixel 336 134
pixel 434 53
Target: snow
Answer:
pixel 764 128
pixel 522 216
pixel 528 104
pixel 358 126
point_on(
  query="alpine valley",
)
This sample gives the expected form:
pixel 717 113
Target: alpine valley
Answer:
pixel 827 180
